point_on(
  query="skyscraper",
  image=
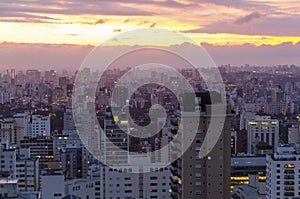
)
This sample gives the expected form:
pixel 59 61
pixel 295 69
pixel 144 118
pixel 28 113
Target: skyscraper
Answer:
pixel 115 129
pixel 208 177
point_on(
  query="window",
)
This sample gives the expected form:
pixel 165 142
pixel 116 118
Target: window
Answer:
pixel 289 166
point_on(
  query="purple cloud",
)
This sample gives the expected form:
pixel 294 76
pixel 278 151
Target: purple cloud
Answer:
pixel 248 18
pixel 284 26
pixel 14 9
pixel 241 4
pixel 38 9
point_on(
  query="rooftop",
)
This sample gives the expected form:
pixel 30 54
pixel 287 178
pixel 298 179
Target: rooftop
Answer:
pixel 248 161
pixel 8 181
pixel 248 191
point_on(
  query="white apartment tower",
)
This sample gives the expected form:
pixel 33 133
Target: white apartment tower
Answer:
pixel 282 174
pixel 125 182
pixel 38 125
pixel 27 172
pixel 33 125
pixel 262 129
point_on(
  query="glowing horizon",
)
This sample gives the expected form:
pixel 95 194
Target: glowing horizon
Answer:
pixel 211 22
pixel 62 32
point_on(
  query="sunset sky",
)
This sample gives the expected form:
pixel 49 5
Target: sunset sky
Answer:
pixel 233 31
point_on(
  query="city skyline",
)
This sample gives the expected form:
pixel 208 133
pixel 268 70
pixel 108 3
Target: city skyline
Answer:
pixel 41 141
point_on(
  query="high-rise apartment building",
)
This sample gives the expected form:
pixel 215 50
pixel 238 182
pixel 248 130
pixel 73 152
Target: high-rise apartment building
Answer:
pixel 39 147
pixel 74 162
pixel 69 150
pixel 125 182
pixel 8 163
pixel 294 134
pixel 31 125
pixel 283 170
pixel 208 177
pixel 37 125
pixel 27 173
pixel 116 143
pixel 8 131
pixel 68 119
pixel 262 129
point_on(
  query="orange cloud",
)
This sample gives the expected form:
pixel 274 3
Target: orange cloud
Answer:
pixel 117 30
pixel 101 21
pixel 152 25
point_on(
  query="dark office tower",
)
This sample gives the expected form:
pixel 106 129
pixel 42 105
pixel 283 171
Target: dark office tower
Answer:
pixel 120 96
pixel 12 76
pixel 33 76
pixel 207 177
pixel 68 119
pixel 116 131
pixel 74 162
pixel 20 78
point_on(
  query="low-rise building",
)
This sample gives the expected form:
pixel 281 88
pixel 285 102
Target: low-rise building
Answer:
pixel 8 188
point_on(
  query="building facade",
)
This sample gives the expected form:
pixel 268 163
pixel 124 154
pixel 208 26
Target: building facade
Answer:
pixel 203 177
pixel 262 129
pixel 282 174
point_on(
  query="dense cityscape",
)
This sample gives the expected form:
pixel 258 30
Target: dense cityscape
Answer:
pixel 149 99
pixel 43 155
